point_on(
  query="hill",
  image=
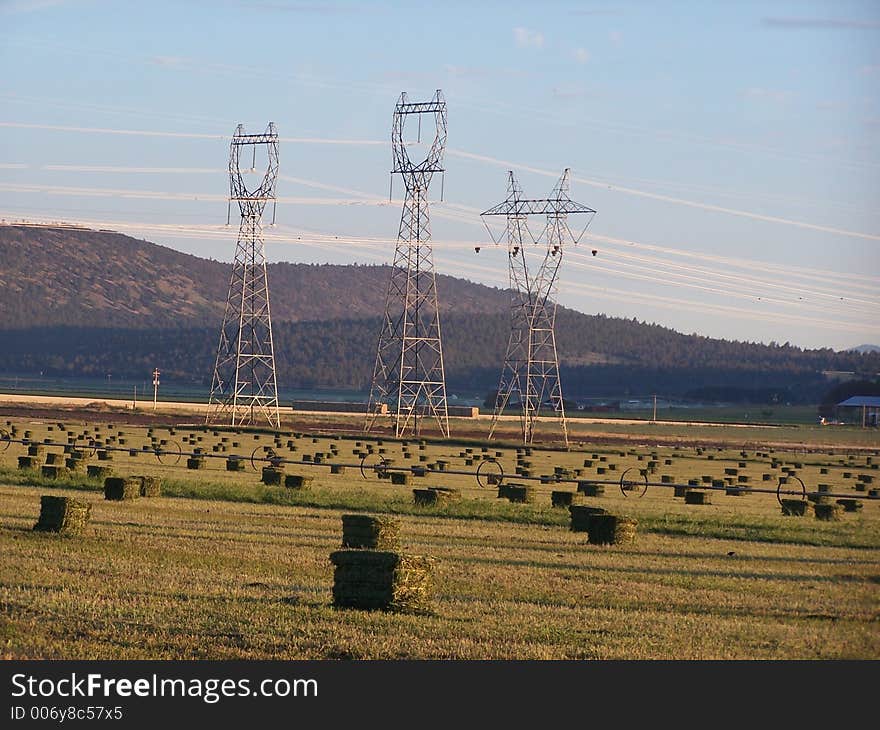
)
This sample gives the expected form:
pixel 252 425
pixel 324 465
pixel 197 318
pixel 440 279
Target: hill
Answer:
pixel 83 278
pixel 90 303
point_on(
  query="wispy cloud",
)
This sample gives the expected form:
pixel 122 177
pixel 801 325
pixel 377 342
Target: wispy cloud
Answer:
pixel 29 6
pixel 483 72
pixel 597 11
pixel 615 36
pixel 563 92
pixel 168 60
pixel 318 8
pixel 774 95
pixel 581 55
pixel 526 38
pixel 466 72
pixel 829 105
pixel 820 23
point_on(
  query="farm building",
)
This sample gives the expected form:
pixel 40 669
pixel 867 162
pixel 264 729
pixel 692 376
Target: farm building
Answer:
pixel 860 409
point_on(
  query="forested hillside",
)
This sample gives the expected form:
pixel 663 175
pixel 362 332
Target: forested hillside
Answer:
pixel 91 303
pixel 78 277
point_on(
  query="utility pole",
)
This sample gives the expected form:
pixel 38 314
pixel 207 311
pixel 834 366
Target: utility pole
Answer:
pixel 530 376
pixel 408 375
pixel 244 388
pixel 155 386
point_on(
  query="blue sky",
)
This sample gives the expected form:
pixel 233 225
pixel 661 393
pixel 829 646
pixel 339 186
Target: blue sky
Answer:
pixel 730 149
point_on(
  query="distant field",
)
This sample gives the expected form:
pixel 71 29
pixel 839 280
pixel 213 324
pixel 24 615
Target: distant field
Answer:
pixel 226 567
pixel 753 414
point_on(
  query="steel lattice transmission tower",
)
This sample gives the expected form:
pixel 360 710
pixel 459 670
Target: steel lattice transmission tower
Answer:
pixel 408 376
pixel 530 376
pixel 244 389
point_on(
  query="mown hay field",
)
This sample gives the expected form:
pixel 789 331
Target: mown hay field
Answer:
pixel 223 566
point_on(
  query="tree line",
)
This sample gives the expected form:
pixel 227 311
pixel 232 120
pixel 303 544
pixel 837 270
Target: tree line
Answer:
pixel 600 355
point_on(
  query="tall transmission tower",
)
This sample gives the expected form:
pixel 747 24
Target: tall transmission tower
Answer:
pixel 408 376
pixel 530 376
pixel 244 389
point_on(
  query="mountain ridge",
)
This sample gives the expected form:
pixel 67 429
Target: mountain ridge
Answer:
pixel 164 287
pixel 92 302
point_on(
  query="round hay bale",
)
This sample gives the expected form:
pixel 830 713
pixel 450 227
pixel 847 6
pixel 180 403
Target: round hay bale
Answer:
pixel 195 462
pixel 608 529
pixel 401 478
pixel 235 464
pixel 337 469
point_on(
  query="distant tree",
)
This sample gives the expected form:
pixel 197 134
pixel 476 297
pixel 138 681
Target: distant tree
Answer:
pixel 489 402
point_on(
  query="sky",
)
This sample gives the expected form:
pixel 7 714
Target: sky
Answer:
pixel 731 150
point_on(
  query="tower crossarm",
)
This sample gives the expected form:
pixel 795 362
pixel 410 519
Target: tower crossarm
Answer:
pixel 433 161
pixel 546 206
pixel 265 191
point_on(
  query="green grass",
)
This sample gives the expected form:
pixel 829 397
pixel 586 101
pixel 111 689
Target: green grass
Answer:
pixel 180 578
pixel 224 567
pixel 771 527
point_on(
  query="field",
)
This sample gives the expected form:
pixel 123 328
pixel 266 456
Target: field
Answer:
pixel 222 566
